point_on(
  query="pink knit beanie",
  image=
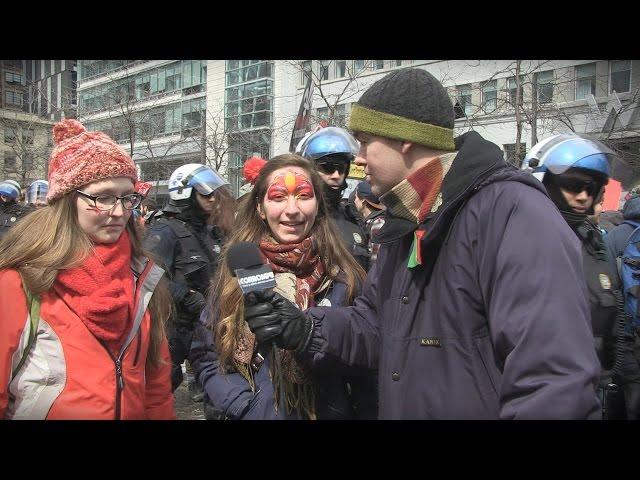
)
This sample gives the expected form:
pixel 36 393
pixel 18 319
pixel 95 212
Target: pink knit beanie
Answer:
pixel 81 157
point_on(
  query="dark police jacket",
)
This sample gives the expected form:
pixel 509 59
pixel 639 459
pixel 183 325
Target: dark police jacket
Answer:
pixel 10 213
pixel 189 254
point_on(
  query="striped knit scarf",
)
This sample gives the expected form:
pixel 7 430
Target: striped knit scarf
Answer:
pixel 417 196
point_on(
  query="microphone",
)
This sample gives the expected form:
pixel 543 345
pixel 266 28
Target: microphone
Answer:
pixel 246 263
pixel 254 275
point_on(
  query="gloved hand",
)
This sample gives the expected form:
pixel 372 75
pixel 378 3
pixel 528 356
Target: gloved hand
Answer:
pixel 271 317
pixel 193 302
pixel 263 321
pixel 296 326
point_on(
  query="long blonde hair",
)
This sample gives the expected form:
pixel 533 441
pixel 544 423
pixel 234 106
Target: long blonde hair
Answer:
pixel 51 239
pixel 226 298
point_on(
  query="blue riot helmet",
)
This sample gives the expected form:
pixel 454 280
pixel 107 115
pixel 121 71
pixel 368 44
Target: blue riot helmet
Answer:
pixel 10 190
pixel 559 153
pixel 554 160
pixel 329 144
pixel 37 192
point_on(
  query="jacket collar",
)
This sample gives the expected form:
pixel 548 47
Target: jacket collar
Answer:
pixel 477 163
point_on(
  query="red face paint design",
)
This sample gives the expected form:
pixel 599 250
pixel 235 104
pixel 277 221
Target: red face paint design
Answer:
pixel 290 183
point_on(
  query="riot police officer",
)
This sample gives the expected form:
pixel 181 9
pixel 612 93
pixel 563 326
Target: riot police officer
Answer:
pixel 185 243
pixel 332 149
pixel 575 169
pixel 10 210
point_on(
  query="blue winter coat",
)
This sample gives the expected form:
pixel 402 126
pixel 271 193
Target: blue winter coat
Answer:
pixel 494 324
pixel 231 394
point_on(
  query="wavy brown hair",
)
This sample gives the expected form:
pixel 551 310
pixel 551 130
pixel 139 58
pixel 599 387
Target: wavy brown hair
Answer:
pixel 51 239
pixel 224 208
pixel 225 295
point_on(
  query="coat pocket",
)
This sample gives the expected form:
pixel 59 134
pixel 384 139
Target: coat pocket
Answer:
pixel 488 375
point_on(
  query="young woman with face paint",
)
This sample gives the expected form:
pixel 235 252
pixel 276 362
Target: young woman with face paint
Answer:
pixel 286 216
pixel 99 349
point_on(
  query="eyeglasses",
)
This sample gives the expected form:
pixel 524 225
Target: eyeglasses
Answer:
pixel 329 167
pixel 578 185
pixel 105 203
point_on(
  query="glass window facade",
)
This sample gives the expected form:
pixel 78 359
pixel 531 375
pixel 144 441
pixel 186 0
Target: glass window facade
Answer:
pixel 490 96
pixel 187 74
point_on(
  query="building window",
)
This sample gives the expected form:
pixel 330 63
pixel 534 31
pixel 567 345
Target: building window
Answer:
pixel 324 69
pixel 13 98
pixel 27 161
pixel 341 68
pixel 544 85
pixel 513 90
pixel 339 118
pixel 9 161
pixel 510 153
pixel 13 77
pixel 490 96
pixel 27 136
pixel 396 63
pixel 620 76
pixel 378 64
pixel 358 65
pixel 464 99
pixel 306 72
pixel 585 80
pixel 10 134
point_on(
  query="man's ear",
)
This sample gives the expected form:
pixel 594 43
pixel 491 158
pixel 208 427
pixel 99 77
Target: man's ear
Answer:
pixel 405 147
pixel 260 212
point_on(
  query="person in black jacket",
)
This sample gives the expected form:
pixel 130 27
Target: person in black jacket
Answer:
pixel 332 149
pixel 186 241
pixel 575 169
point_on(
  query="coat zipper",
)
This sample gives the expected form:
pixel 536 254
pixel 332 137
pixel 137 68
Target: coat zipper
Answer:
pixel 119 379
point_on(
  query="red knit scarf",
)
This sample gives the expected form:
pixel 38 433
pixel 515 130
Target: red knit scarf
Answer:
pixel 100 291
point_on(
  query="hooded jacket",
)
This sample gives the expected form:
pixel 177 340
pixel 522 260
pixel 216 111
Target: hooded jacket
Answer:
pixel 68 374
pixel 493 324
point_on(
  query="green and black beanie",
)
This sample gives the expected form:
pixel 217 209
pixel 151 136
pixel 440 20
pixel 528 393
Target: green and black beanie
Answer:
pixel 409 104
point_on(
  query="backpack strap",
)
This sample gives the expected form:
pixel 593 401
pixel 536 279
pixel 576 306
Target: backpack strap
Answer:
pixel 33 307
pixel 619 258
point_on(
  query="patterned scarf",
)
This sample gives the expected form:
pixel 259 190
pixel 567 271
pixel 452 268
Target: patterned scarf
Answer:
pixel 299 273
pixel 100 292
pixel 420 193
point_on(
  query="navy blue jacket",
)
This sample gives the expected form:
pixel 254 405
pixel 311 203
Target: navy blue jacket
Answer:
pixel 494 324
pixel 231 394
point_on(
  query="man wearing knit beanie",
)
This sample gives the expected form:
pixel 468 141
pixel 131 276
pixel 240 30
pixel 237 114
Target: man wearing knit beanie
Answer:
pixel 448 314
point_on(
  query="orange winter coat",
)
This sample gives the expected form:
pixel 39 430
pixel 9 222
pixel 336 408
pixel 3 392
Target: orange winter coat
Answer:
pixel 68 374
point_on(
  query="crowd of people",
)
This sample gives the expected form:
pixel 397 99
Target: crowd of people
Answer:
pixel 448 285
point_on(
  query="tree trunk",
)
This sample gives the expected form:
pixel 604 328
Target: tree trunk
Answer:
pixel 516 160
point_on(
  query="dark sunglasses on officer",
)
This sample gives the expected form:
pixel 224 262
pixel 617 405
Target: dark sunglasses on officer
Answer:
pixel 578 185
pixel 329 167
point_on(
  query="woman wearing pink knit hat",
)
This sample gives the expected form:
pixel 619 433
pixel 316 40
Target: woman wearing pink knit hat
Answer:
pixel 82 308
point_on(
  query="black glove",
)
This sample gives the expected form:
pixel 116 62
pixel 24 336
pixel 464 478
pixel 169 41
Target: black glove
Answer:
pixel 193 302
pixel 263 321
pixel 271 317
pixel 296 326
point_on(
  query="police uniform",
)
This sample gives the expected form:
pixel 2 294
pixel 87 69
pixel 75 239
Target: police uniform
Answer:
pixel 10 213
pixel 189 253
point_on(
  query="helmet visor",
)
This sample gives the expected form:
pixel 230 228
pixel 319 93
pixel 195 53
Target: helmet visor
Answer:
pixel 204 180
pixel 328 141
pixel 9 190
pixel 37 192
pixel 563 152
